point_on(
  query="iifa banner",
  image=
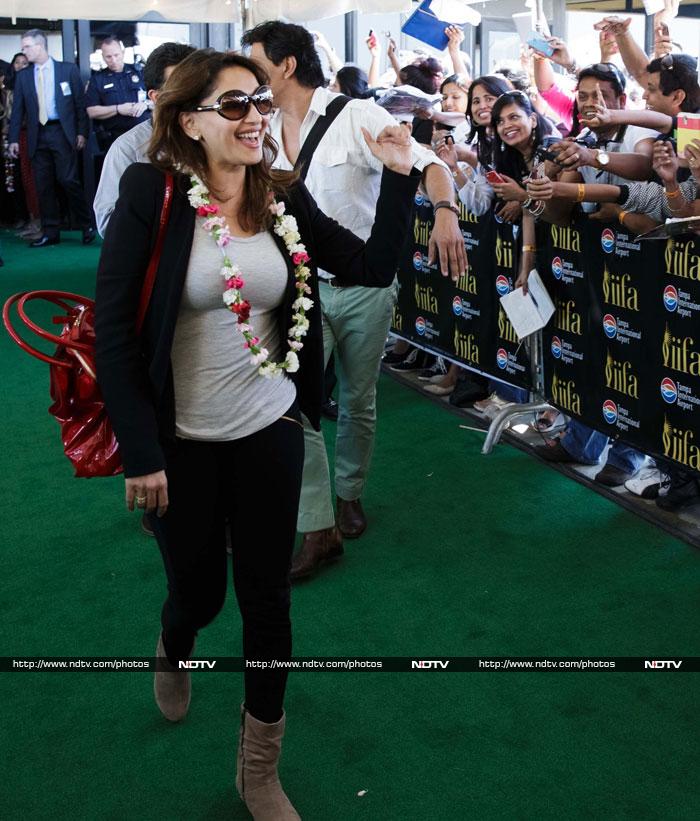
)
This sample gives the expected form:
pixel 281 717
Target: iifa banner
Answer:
pixel 621 353
pixel 463 320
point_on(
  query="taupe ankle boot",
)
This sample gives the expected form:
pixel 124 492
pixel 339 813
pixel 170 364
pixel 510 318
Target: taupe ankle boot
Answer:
pixel 172 687
pixel 257 781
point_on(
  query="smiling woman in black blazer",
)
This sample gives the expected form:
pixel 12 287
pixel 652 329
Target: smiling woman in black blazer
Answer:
pixel 206 401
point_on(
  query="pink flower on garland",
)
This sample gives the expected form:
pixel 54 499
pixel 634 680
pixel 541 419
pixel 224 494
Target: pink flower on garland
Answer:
pixel 205 210
pixel 242 308
pixel 235 282
pixel 300 257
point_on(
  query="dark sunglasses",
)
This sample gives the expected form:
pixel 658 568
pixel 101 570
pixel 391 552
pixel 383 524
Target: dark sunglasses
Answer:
pixel 611 68
pixel 234 105
pixel 667 62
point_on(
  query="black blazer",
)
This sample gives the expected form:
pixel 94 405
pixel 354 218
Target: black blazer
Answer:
pixel 135 374
pixel 71 107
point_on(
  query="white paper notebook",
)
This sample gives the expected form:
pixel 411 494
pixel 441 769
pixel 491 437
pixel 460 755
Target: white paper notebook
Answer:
pixel 528 312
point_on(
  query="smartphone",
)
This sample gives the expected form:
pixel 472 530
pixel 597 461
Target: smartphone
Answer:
pixel 537 41
pixel 372 39
pixel 494 177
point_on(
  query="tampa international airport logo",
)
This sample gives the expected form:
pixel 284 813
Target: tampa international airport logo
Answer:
pixel 557 267
pixel 610 326
pixel 556 347
pixel 670 298
pixel 610 411
pixel 669 391
pixel 502 285
pixel 607 240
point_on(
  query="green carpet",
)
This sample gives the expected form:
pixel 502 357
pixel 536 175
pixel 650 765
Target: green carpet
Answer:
pixel 465 555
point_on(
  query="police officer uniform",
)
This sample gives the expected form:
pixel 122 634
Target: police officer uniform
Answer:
pixel 110 88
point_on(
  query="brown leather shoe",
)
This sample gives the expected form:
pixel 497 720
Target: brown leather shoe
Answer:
pixel 351 518
pixel 318 548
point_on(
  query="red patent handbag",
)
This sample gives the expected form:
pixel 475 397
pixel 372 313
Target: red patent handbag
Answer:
pixel 86 432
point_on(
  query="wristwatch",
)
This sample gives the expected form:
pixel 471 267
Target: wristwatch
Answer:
pixel 602 157
pixel 446 204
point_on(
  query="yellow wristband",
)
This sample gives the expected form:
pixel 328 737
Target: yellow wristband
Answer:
pixel 532 248
pixel 581 192
pixel 673 194
pixel 621 217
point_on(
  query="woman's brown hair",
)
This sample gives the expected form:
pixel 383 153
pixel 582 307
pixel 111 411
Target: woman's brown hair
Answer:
pixel 170 149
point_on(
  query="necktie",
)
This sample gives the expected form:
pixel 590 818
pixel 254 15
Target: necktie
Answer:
pixel 43 116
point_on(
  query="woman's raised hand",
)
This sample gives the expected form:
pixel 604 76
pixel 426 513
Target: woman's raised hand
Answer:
pixel 392 148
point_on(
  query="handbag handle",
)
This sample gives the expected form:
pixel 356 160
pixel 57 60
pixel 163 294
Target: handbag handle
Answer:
pixel 59 297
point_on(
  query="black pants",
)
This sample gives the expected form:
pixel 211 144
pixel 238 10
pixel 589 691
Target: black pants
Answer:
pixel 55 160
pixel 255 483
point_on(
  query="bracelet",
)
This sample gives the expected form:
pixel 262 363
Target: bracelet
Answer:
pixel 532 248
pixel 581 195
pixel 621 217
pixel 527 203
pixel 673 194
pixel 446 204
pixel 538 209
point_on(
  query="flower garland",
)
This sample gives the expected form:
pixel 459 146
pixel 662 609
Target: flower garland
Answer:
pixel 285 227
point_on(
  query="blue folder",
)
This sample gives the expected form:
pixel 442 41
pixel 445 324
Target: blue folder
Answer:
pixel 426 27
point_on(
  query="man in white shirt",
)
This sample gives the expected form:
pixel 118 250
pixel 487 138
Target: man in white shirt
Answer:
pixel 344 179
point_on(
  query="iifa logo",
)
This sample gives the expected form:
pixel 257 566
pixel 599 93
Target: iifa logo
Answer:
pixel 557 267
pixel 420 326
pixel 502 285
pixel 501 358
pixel 419 199
pixel 610 411
pixel 610 326
pixel 670 298
pixel 556 347
pixel 418 261
pixel 607 240
pixel 669 390
pixel 457 306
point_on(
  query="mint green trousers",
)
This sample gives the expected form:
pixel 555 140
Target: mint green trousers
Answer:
pixel 355 325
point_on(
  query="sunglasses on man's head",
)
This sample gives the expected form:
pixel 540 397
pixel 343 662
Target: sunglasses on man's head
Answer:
pixel 234 105
pixel 610 68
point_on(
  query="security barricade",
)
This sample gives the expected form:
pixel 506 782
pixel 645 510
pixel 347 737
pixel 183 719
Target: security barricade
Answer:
pixel 463 320
pixel 622 351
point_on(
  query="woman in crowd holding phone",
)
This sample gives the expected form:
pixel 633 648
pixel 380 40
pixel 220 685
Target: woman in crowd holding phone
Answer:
pixel 469 161
pixel 206 403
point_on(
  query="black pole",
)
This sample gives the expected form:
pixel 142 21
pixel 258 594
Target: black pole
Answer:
pixel 350 36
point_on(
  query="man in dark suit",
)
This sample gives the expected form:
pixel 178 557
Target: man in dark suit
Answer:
pixel 49 96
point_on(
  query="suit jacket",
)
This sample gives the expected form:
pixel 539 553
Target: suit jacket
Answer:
pixel 71 107
pixel 135 373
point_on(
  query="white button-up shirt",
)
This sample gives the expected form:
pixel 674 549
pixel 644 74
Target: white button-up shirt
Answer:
pixel 343 175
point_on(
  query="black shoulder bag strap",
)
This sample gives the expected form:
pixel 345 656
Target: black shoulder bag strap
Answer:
pixel 316 134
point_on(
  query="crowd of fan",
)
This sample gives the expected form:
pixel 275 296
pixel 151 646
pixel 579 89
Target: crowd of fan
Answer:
pixel 532 145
